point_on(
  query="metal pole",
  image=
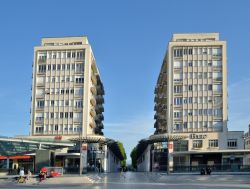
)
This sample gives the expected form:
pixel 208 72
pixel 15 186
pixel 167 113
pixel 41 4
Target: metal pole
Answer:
pixel 80 146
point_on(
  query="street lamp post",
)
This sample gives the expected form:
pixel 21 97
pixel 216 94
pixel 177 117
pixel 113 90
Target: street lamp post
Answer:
pixel 80 146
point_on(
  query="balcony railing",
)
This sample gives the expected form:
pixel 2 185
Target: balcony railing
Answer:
pixel 99 99
pixel 93 90
pixel 92 112
pixel 93 79
pixel 42 60
pixel 219 79
pixel 93 101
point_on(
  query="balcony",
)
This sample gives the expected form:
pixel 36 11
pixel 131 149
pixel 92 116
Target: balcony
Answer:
pixel 93 79
pixel 155 116
pixel 40 84
pixel 79 59
pixel 92 112
pixel 217 80
pixel 93 90
pixel 100 125
pixel 39 107
pixel 100 90
pixel 42 60
pixel 77 120
pixel 40 96
pixel 77 108
pixel 178 81
pixel 217 117
pixel 217 56
pixel 93 101
pixel 99 99
pixel 217 92
pixel 92 124
pixel 99 118
pixel 39 119
pixel 99 108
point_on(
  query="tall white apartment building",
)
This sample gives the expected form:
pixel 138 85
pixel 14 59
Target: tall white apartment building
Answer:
pixel 67 92
pixel 191 105
pixel 191 93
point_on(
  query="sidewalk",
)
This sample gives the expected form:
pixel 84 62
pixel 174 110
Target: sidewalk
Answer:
pixel 65 179
pixel 213 173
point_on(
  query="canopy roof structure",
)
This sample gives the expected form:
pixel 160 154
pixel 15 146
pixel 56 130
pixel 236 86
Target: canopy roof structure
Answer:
pixel 165 137
pixel 112 144
pixel 17 146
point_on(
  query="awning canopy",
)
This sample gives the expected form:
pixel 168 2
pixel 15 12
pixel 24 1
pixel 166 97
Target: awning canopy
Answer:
pixel 165 137
pixel 112 144
pixel 16 146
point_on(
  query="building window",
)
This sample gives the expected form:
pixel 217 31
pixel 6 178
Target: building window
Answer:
pixel 42 68
pixel 177 114
pixel 53 67
pixel 178 52
pixel 185 51
pixel 49 67
pixel 71 114
pixel 68 54
pixel 52 115
pixel 56 127
pixel 79 80
pixel 190 100
pixel 213 143
pixel 66 114
pixel 39 129
pixel 52 102
pixel 66 102
pixel 79 67
pixel 178 101
pixel 68 66
pixel 40 104
pixel 181 145
pixel 210 87
pixel 190 51
pixel 177 89
pixel 61 114
pixel 232 143
pixel 73 67
pixel 190 87
pixel 197 143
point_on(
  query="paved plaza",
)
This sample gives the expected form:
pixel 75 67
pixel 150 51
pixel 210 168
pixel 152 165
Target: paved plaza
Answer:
pixel 136 180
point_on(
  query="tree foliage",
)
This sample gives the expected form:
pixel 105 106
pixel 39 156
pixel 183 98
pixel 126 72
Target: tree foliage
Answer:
pixel 133 156
pixel 121 147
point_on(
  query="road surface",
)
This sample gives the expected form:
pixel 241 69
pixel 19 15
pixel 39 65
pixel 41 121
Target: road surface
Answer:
pixel 132 180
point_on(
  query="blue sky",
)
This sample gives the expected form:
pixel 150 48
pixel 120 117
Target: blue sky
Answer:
pixel 129 39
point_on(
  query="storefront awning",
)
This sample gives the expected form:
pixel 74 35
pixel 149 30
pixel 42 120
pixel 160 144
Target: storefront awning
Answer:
pixel 16 146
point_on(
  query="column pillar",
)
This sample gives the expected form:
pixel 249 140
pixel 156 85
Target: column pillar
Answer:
pixel 83 158
pixel 170 156
pixel 8 163
pixel 105 166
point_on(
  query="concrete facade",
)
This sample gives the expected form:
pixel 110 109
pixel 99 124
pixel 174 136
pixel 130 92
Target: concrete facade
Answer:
pixel 66 89
pixel 191 104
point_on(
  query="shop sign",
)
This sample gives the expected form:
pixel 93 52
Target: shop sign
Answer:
pixel 197 136
pixel 170 146
pixel 84 147
pixel 58 137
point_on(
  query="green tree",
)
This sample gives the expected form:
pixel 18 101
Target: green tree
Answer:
pixel 133 156
pixel 122 150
